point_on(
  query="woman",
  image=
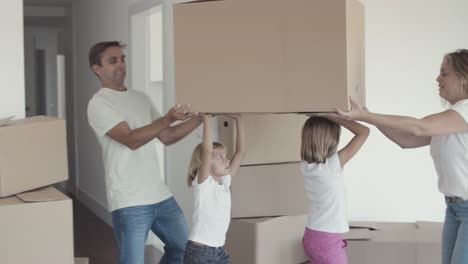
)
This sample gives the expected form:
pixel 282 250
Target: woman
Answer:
pixel 447 134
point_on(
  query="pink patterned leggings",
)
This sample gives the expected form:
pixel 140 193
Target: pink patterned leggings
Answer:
pixel 324 248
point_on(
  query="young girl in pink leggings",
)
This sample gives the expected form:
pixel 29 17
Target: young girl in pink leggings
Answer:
pixel 322 168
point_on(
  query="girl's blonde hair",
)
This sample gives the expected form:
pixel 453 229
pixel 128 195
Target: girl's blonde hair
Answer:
pixel 195 163
pixel 458 61
pixel 320 138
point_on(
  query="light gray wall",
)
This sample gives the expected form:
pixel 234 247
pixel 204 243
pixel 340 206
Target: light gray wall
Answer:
pixel 405 43
pixel 12 96
pixel 94 21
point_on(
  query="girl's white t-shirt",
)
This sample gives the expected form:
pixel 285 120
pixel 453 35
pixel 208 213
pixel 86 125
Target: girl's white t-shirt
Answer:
pixel 325 189
pixel 450 155
pixel 212 213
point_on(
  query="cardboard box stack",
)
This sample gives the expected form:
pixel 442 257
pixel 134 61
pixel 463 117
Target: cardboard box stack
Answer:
pixel 299 56
pixel 268 56
pixel 269 205
pixel 268 199
pixel 273 56
pixel 36 223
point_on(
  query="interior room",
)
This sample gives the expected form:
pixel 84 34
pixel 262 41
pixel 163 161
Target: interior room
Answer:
pixel 271 61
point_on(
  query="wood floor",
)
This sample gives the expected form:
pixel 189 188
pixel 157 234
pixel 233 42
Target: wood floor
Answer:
pixel 94 239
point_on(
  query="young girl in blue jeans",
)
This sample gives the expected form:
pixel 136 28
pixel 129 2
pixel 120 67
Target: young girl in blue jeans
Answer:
pixel 210 176
pixel 322 168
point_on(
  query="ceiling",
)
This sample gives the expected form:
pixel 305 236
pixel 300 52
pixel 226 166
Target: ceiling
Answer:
pixel 47 2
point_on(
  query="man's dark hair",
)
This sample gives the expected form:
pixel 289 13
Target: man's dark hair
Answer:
pixel 95 53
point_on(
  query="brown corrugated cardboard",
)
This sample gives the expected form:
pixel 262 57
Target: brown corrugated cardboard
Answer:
pixel 268 138
pixel 431 233
pixel 81 261
pixel 33 154
pixel 267 240
pixel 403 243
pixel 428 225
pixel 382 225
pixel 359 224
pixel 269 56
pixel 268 190
pixel 279 240
pixel 36 232
pixel 358 234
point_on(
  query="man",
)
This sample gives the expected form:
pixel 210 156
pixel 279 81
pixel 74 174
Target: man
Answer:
pixel 125 123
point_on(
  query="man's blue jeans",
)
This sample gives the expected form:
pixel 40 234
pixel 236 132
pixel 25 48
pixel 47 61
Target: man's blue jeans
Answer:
pixel 165 219
pixel 455 234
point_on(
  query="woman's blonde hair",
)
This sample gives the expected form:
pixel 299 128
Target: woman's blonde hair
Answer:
pixel 195 163
pixel 458 61
pixel 320 138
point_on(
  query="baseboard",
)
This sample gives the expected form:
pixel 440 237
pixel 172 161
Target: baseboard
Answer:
pixel 96 207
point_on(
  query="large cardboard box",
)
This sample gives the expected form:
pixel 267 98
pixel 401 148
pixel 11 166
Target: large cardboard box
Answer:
pixel 36 227
pixel 272 240
pixel 268 138
pixel 276 240
pixel 269 56
pixel 279 240
pixel 268 190
pixel 33 154
pixel 402 243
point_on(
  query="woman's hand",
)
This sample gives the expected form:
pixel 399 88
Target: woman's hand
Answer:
pixel 356 112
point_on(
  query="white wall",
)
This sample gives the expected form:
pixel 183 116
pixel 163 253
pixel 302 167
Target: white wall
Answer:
pixel 405 43
pixel 12 101
pixel 94 21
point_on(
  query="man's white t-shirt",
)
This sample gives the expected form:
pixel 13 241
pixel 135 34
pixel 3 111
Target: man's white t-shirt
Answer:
pixel 212 213
pixel 132 177
pixel 325 189
pixel 450 155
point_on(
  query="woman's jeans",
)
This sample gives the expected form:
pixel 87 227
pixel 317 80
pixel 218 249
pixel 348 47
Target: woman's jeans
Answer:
pixel 455 234
pixel 165 219
pixel 201 254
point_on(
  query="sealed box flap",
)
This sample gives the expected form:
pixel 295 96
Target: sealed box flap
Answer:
pixel 429 232
pixel 428 225
pixel 358 234
pixel 394 235
pixel 253 220
pixel 11 200
pixel 29 123
pixel 198 1
pixel 290 219
pixel 368 225
pixel 42 195
pixel 30 120
pixel 273 219
pixel 5 121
